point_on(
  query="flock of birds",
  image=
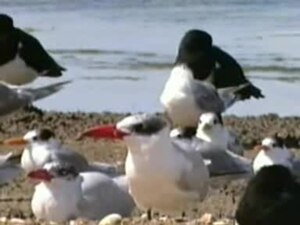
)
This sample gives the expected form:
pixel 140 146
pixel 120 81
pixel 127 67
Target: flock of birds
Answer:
pixel 171 158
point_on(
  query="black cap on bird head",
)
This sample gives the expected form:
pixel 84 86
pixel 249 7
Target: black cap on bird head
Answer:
pixel 195 50
pixel 6 23
pixel 45 134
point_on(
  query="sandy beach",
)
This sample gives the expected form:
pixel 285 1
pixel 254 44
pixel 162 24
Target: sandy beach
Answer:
pixel 221 201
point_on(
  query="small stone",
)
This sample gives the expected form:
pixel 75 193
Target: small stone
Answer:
pixel 17 221
pixel 3 219
pixel 111 219
pixel 225 221
pixel 144 216
pixel 207 219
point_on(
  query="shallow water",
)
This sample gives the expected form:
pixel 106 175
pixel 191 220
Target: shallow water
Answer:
pixel 119 53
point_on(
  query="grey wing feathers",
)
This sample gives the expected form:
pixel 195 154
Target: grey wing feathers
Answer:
pixel 223 162
pixel 234 144
pixel 70 157
pixel 8 168
pixel 9 100
pixel 106 168
pixel 195 178
pixel 42 92
pixel 102 196
pixel 207 98
pixel 228 94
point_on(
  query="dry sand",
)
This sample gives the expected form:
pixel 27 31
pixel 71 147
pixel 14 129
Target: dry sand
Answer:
pixel 221 202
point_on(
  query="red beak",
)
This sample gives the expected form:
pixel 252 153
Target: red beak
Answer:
pixel 41 174
pixel 105 131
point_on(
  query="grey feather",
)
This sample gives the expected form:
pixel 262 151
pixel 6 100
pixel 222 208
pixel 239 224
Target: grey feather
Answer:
pixel 13 98
pixel 207 98
pixel 103 196
pixel 78 161
pixel 234 145
pixel 43 92
pixel 189 180
pixel 9 169
pixel 221 161
pixel 228 94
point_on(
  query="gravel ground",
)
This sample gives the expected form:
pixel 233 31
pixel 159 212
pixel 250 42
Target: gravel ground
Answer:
pixel 221 202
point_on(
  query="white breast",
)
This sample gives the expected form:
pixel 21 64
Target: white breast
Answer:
pixel 153 183
pixel 177 98
pixel 34 158
pixel 217 136
pixel 272 157
pixel 56 202
pixel 16 72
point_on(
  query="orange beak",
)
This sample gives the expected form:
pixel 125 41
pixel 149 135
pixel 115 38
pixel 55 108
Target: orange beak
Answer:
pixel 14 141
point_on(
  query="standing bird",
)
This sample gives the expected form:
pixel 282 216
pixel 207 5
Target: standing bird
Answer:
pixel 64 194
pixel 42 147
pixel 196 50
pixel 22 57
pixel 272 197
pixel 153 161
pixel 204 79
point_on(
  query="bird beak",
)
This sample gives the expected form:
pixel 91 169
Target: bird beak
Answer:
pixel 105 132
pixel 14 141
pixel 41 174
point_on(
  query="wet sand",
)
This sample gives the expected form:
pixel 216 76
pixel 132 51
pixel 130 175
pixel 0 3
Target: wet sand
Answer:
pixel 221 202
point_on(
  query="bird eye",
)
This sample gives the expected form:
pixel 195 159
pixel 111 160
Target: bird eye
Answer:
pixel 35 138
pixel 215 121
pixel 138 127
pixel 63 172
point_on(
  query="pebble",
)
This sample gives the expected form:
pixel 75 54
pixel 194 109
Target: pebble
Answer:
pixel 111 219
pixel 207 219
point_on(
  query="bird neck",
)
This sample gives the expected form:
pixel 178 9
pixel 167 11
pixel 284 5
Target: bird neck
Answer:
pixel 215 135
pixel 51 144
pixel 60 185
pixel 150 145
pixel 181 76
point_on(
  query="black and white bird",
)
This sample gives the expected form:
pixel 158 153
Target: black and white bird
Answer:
pixel 272 197
pixel 22 57
pixel 197 51
pixel 204 79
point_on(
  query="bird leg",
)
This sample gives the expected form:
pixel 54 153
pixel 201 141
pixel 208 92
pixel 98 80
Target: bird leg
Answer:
pixel 149 214
pixel 32 108
pixel 182 218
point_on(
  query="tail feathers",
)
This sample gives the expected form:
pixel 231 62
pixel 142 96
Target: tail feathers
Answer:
pixel 248 92
pixel 46 91
pixel 55 72
pixel 229 94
